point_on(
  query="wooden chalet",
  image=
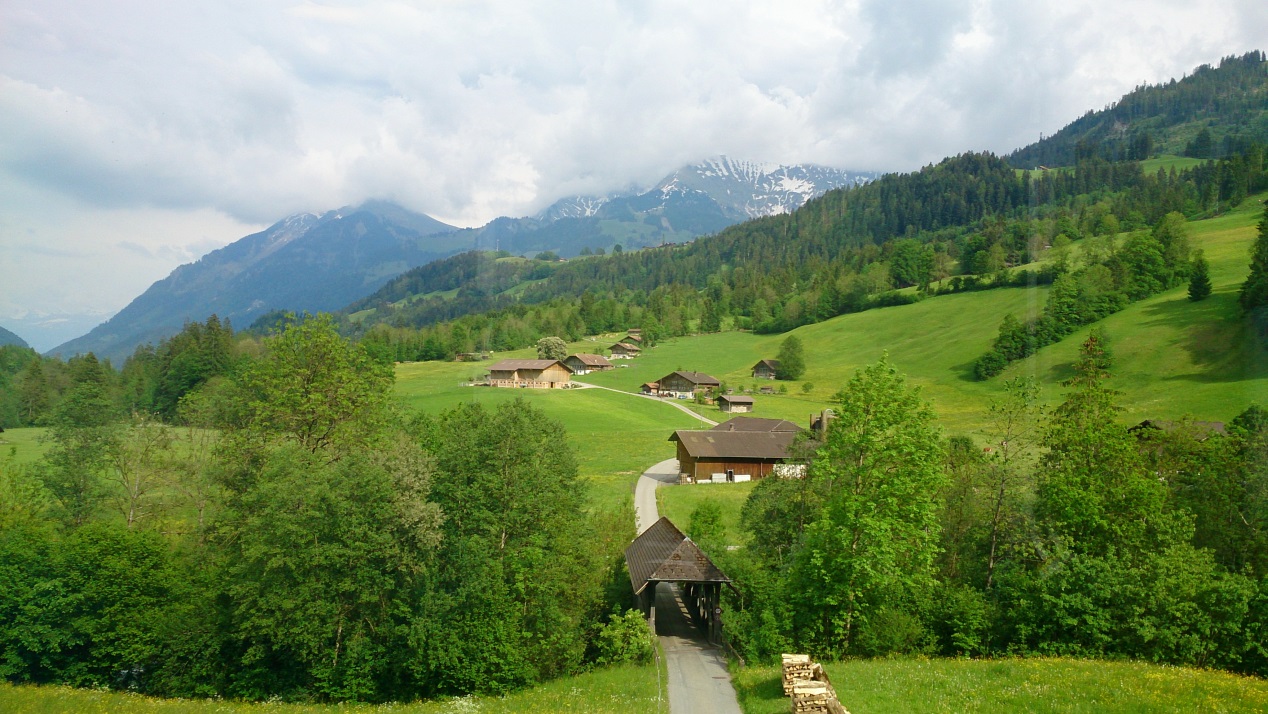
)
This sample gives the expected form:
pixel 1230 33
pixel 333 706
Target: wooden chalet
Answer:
pixel 735 404
pixel 684 384
pixel 582 363
pixel 650 388
pixel 530 373
pixel 766 369
pixel 623 350
pixel 730 456
pixel 663 554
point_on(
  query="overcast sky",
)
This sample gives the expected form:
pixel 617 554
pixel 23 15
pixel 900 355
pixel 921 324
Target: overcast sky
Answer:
pixel 136 136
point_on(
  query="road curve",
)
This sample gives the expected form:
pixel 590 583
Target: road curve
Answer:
pixel 671 402
pixel 699 682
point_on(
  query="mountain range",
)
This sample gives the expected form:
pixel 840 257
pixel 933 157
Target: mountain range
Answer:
pixel 309 262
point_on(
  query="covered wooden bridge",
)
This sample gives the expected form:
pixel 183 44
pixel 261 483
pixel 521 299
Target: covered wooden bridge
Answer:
pixel 662 554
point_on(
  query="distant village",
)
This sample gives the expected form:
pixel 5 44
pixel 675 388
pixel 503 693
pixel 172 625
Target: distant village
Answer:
pixel 741 449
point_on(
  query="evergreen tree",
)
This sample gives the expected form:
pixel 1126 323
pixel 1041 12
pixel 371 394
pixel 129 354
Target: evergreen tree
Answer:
pixel 1254 292
pixel 792 359
pixel 1199 278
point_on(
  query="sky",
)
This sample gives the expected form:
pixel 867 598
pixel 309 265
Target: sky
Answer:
pixel 138 136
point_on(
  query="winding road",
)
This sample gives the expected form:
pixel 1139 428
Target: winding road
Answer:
pixel 699 682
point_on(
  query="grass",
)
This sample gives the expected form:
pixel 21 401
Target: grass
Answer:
pixel 615 436
pixel 23 445
pixel 678 502
pixel 1015 685
pixel 615 690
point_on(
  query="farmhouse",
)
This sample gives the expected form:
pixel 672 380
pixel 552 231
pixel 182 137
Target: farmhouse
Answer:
pixel 686 384
pixel 650 388
pixel 534 373
pixel 766 369
pixel 720 456
pixel 582 363
pixel 622 350
pixel 735 404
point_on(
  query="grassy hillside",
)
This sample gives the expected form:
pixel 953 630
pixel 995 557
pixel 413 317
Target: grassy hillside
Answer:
pixel 1015 685
pixel 618 690
pixel 615 436
pixel 1172 357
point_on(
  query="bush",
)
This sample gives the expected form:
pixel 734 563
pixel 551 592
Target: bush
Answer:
pixel 625 638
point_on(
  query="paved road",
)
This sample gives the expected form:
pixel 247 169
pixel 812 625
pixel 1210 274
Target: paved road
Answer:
pixel 698 679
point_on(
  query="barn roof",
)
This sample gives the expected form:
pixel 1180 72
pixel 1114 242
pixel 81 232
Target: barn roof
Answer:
pixel 591 360
pixel 663 553
pixel 511 365
pixel 765 445
pixel 771 363
pixel 754 423
pixel 627 347
pixel 735 399
pixel 693 377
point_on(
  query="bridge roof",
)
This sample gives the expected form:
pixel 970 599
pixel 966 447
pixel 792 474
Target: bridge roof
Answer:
pixel 663 554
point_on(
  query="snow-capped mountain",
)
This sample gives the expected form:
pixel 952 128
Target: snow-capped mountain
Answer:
pixel 750 189
pixel 741 189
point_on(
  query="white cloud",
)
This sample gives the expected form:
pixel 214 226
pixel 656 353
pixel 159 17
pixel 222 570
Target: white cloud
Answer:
pixel 137 117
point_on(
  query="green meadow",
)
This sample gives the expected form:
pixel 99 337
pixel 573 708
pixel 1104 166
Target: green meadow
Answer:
pixel 614 690
pixel 1043 686
pixel 23 445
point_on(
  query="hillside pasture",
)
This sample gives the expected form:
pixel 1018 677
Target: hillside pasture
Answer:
pixel 1043 686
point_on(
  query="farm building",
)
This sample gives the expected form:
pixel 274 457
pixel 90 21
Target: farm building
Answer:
pixel 756 424
pixel 622 350
pixel 583 363
pixel 735 404
pixel 650 388
pixel 533 373
pixel 766 369
pixel 720 456
pixel 686 384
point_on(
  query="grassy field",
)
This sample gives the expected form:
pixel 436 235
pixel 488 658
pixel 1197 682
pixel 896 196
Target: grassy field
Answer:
pixel 616 690
pixel 23 445
pixel 615 436
pixel 678 502
pixel 1014 685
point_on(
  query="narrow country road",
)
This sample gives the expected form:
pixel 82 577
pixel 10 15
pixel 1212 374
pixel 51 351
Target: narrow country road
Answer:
pixel 698 679
pixel 671 402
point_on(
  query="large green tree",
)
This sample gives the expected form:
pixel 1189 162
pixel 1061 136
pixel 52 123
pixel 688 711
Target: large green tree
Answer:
pixel 792 359
pixel 870 553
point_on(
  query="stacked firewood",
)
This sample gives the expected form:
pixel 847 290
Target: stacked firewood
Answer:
pixel 808 685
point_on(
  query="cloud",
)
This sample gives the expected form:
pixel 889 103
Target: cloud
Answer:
pixel 251 111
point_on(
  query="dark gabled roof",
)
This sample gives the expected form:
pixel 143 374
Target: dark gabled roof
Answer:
pixel 736 399
pixel 693 377
pixel 755 424
pixel 591 360
pixel 627 347
pixel 763 445
pixel 771 363
pixel 663 553
pixel 511 365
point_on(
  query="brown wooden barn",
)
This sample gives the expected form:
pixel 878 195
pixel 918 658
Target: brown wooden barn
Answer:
pixel 532 373
pixel 686 384
pixel 582 363
pixel 735 404
pixel 766 369
pixel 622 350
pixel 723 456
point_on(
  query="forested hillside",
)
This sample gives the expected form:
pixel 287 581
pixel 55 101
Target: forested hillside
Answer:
pixel 967 223
pixel 1213 112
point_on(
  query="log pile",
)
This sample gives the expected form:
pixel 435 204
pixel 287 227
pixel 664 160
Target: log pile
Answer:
pixel 808 685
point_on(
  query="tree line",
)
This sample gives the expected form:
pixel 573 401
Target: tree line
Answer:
pixel 303 539
pixel 1068 535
